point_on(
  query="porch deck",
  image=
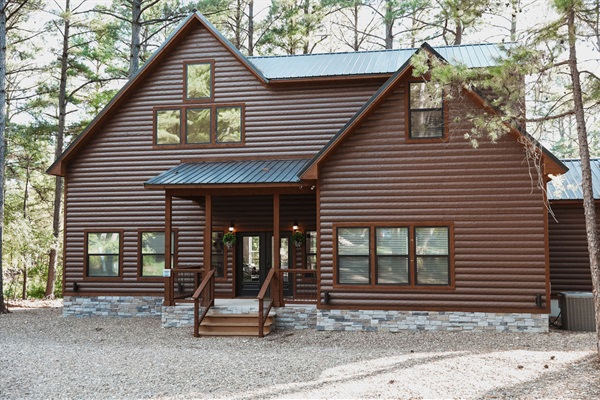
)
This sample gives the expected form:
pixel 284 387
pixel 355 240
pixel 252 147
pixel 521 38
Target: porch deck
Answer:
pixel 238 305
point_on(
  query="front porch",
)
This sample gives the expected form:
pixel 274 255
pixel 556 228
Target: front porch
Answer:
pixel 292 316
pixel 293 293
pixel 243 242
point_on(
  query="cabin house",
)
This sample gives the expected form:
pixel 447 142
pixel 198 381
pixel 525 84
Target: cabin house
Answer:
pixel 336 188
pixel 569 256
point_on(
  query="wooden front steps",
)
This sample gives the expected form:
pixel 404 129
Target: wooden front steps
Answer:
pixel 234 325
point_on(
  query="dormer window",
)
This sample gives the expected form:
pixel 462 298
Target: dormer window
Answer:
pixel 426 111
pixel 199 80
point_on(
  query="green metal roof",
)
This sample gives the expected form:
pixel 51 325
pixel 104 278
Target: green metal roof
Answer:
pixel 568 185
pixel 369 62
pixel 230 172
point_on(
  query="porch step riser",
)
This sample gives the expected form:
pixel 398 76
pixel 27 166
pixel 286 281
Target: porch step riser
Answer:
pixel 233 325
pixel 234 321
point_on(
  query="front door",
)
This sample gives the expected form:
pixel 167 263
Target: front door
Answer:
pixel 254 260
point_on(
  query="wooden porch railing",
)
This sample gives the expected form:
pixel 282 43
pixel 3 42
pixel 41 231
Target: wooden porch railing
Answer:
pixel 298 286
pixel 184 282
pixel 267 289
pixel 205 294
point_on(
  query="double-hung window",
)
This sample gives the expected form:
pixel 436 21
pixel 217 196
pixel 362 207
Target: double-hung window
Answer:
pixel 152 253
pixel 103 254
pixel 353 256
pixel 392 256
pixel 432 252
pixel 416 255
pixel 426 111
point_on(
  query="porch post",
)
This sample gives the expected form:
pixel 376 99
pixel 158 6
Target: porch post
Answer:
pixel 207 234
pixel 276 252
pixel 168 292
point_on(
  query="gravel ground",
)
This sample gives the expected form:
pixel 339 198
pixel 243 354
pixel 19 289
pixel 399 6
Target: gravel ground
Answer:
pixel 46 356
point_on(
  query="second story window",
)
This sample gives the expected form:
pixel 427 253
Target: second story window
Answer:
pixel 198 125
pixel 199 81
pixel 168 126
pixel 426 111
pixel 200 120
pixel 229 124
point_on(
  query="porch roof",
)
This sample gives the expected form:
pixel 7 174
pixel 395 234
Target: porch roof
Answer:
pixel 230 172
pixel 568 185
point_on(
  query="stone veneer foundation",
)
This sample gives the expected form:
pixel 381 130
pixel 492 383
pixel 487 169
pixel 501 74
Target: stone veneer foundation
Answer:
pixel 112 306
pixel 395 321
pixel 309 317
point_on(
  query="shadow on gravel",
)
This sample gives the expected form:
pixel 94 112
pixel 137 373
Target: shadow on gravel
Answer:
pixel 349 374
pixel 499 374
pixel 582 381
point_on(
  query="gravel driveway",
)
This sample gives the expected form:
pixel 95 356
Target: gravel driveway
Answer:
pixel 46 356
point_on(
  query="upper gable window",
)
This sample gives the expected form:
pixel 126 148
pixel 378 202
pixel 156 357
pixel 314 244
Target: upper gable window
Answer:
pixel 198 78
pixel 426 111
pixel 198 125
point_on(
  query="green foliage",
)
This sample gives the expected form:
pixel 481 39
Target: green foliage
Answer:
pixel 298 236
pixel 296 27
pixel 27 235
pixel 229 238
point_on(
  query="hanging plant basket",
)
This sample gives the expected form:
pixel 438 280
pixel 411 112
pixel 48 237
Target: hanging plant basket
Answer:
pixel 229 240
pixel 298 238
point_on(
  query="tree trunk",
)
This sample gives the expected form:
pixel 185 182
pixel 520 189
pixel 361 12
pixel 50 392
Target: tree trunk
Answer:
pixel 24 286
pixel 586 173
pixel 251 28
pixel 3 308
pixel 237 23
pixel 306 47
pixel 60 133
pixel 26 189
pixel 136 29
pixel 355 12
pixel 513 20
pixel 389 25
pixel 459 32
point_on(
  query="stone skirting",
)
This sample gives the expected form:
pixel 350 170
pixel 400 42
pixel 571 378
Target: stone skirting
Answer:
pixel 112 306
pixel 296 317
pixel 395 321
pixel 290 317
pixel 305 316
pixel 177 316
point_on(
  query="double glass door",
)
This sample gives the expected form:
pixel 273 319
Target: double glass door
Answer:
pixel 255 258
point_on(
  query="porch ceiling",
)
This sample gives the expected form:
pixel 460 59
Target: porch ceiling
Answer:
pixel 230 173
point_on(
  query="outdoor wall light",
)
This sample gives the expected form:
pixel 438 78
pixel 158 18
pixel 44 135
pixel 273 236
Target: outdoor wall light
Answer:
pixel 231 227
pixel 295 227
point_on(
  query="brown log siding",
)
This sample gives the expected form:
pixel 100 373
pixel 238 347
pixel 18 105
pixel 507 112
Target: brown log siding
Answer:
pixel 375 178
pixel 569 257
pixel 105 180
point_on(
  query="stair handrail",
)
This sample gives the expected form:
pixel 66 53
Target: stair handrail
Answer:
pixel 261 298
pixel 206 287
